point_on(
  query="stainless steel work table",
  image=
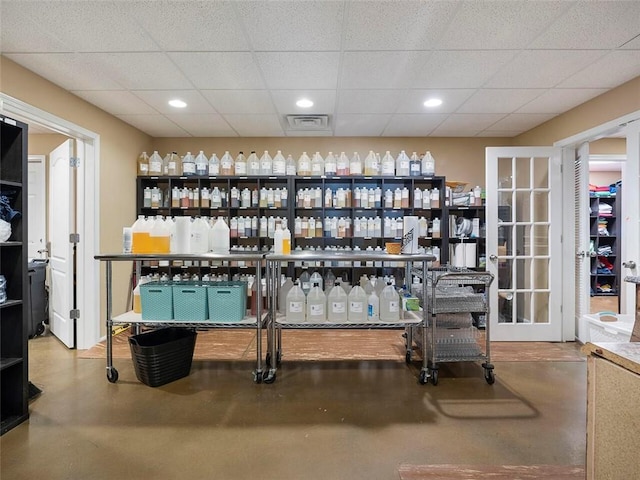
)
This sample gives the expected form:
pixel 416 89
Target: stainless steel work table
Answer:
pixel 135 319
pixel 277 322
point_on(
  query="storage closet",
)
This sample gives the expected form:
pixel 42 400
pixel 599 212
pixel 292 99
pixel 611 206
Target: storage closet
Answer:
pixel 604 244
pixel 14 288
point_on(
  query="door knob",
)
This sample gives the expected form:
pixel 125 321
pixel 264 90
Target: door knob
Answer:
pixel 630 264
pixel 493 257
pixel 581 254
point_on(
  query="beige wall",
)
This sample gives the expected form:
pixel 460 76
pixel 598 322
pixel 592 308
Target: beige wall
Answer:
pixel 613 104
pixel 608 146
pixel 43 144
pixel 120 145
pixel 604 178
pixel 459 159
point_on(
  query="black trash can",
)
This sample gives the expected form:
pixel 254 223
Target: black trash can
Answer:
pixel 38 298
pixel 162 356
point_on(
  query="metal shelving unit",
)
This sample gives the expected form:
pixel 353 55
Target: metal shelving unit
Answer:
pixel 256 322
pixel 276 322
pixel 452 295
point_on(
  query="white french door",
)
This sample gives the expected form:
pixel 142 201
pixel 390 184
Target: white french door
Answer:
pixel 524 225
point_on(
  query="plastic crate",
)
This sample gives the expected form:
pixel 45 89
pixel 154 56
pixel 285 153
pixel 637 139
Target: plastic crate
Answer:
pixel 156 300
pixel 227 301
pixel 162 356
pixel 189 301
pixel 610 331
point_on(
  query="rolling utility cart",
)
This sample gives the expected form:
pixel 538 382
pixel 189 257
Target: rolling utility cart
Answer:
pixel 277 321
pixel 453 295
pixel 135 319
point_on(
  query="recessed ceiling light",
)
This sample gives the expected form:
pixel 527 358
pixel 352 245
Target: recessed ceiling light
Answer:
pixel 177 103
pixel 304 103
pixel 433 102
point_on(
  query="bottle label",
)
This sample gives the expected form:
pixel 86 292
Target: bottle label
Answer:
pixel 295 307
pixel 316 310
pixel 415 167
pixel 356 307
pixel 155 167
pixel 338 307
pixel 255 166
pixel 393 306
pixel 214 170
pixel 279 169
pixel 291 170
pixel 306 285
pixel 241 168
pixel 387 169
pixel 143 167
pixel 188 168
pixel 371 311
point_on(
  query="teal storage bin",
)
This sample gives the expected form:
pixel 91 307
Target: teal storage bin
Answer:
pixel 227 301
pixel 190 302
pixel 156 300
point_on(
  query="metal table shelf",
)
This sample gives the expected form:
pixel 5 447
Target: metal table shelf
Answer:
pixel 136 319
pixel 277 322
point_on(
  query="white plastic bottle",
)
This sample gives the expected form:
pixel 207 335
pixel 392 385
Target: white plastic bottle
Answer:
pixel 317 278
pixel 240 166
pixel 277 240
pixel 219 237
pixel 227 164
pixel 199 236
pixel 316 305
pixel 291 166
pixel 285 286
pixel 388 166
pixel 188 165
pixel 296 304
pixel 253 164
pixel 370 165
pixel 373 306
pixel 214 166
pixel 357 305
pixel 202 164
pixel 428 165
pixel 286 240
pixel 304 165
pixel 330 165
pixel 317 165
pixel 337 304
pixel 402 165
pixel 305 282
pixel 414 165
pixel 389 304
pixel 140 239
pixel 355 164
pixel 342 165
pixel 279 166
pixel 155 164
pixel 266 164
pixel 143 164
pixel 160 236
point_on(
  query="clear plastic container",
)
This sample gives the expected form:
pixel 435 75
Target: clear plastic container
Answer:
pixel 428 165
pixel 337 304
pixel 357 303
pixel 214 166
pixel 188 165
pixel 330 165
pixel 304 165
pixel 240 167
pixel 227 166
pixel 389 304
pixel 316 305
pixel 279 164
pixel 253 164
pixel 296 304
pixel 266 164
pixel 143 164
pixel 202 164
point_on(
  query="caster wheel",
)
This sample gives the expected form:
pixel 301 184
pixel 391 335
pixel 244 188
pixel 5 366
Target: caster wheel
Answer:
pixel 424 377
pixel 407 357
pixel 112 375
pixel 489 376
pixel 257 377
pixel 39 329
pixel 434 377
pixel 269 378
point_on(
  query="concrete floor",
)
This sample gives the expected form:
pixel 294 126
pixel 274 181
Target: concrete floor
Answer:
pixel 323 420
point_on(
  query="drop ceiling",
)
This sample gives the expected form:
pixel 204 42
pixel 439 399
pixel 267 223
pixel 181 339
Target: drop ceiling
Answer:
pixel 500 67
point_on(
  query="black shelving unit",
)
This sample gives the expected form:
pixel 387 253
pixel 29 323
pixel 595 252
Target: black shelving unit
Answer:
pixel 14 384
pixel 469 213
pixel 604 245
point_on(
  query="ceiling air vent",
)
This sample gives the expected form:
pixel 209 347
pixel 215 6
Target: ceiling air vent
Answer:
pixel 308 122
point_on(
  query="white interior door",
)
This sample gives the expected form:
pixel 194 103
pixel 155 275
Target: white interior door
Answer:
pixel 630 226
pixel 37 206
pixel 524 225
pixel 582 239
pixel 61 225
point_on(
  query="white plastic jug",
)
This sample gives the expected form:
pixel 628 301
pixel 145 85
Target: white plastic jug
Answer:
pixel 389 304
pixel 296 304
pixel 316 305
pixel 357 305
pixel 202 164
pixel 373 306
pixel 337 304
pixel 199 236
pixel 219 237
pixel 183 235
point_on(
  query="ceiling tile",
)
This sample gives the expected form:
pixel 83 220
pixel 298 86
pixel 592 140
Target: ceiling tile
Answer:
pixel 560 100
pixel 240 101
pixel 219 70
pixel 498 133
pixel 117 102
pixel 498 101
pixel 499 25
pixel 469 122
pixel 292 25
pixel 211 27
pixel 369 101
pixel 324 101
pixel 521 121
pixel 154 125
pixel 310 133
pixel 90 26
pixel 413 100
pixel 141 71
pixel 614 69
pixel 299 70
pixel 633 44
pixel 255 125
pixel 396 69
pixel 542 68
pixel 203 125
pixel 347 125
pixel 71 71
pixel 454 132
pixel 159 99
pixel 413 125
pixel 460 69
pixel 14 21
pixel 592 25
pixel 396 25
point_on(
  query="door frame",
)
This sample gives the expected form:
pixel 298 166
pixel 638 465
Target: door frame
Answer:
pixel 41 161
pixel 628 124
pixel 88 213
